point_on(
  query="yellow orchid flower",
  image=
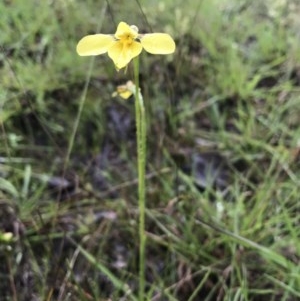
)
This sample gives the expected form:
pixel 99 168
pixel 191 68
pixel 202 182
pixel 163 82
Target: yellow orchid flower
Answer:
pixel 125 91
pixel 125 44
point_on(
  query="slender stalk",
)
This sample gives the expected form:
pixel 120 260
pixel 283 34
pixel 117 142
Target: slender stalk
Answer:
pixel 141 154
pixel 83 96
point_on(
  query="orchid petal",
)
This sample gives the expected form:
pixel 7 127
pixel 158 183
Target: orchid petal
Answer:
pixel 94 44
pixel 124 29
pixel 158 43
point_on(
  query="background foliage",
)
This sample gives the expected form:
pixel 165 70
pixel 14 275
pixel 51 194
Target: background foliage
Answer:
pixel 223 153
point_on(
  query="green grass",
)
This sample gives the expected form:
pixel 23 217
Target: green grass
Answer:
pixel 223 138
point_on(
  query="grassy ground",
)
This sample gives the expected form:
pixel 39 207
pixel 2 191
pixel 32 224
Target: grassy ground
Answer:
pixel 223 153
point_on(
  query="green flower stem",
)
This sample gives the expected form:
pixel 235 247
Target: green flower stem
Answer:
pixel 141 154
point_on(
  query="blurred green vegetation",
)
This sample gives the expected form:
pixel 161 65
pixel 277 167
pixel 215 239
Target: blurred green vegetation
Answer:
pixel 223 153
